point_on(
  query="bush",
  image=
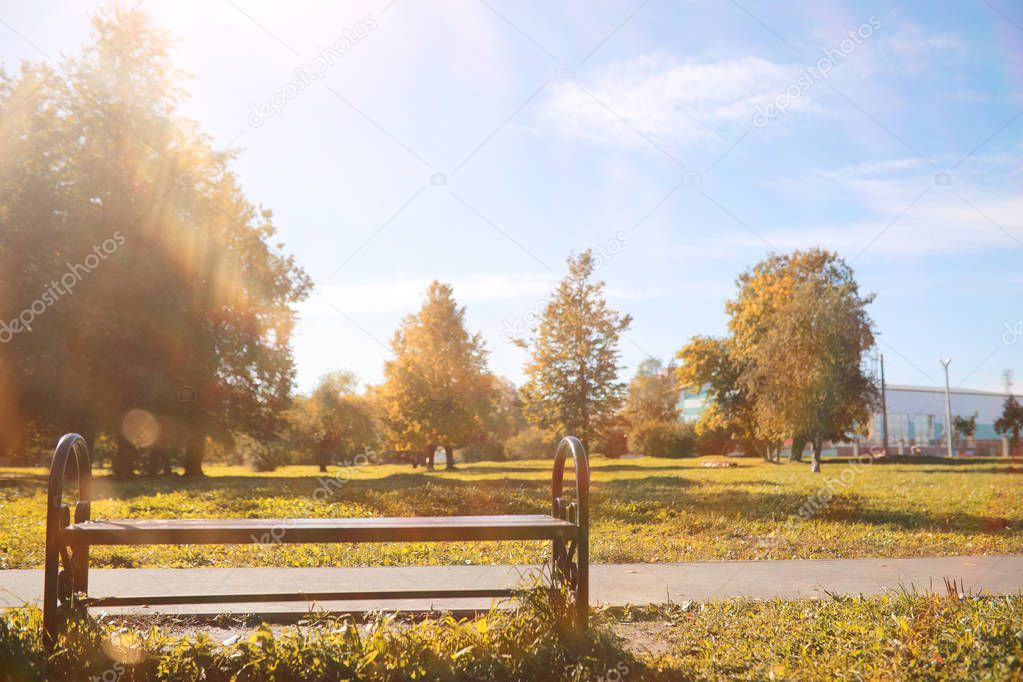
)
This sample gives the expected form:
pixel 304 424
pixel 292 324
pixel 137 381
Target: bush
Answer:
pixel 662 439
pixel 535 641
pixel 714 442
pixel 613 442
pixel 484 451
pixel 264 456
pixel 531 443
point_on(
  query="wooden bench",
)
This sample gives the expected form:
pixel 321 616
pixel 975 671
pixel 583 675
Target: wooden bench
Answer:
pixel 70 531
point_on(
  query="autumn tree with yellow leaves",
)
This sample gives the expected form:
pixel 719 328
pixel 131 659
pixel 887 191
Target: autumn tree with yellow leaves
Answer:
pixel 437 390
pixel 334 421
pixel 572 385
pixel 791 366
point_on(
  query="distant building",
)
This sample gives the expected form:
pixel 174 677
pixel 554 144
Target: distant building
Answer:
pixel 691 404
pixel 916 417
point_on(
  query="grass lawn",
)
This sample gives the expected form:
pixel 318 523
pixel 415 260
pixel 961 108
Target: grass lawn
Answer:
pixel 905 637
pixel 643 510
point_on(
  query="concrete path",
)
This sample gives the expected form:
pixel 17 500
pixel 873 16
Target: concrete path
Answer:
pixel 610 584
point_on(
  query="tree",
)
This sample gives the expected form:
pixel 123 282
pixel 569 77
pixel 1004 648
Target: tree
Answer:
pixel 965 426
pixel 181 305
pixel 790 366
pixel 1011 421
pixel 333 419
pixel 503 420
pixel 572 375
pixel 711 364
pixel 807 371
pixel 662 439
pixel 652 394
pixel 437 389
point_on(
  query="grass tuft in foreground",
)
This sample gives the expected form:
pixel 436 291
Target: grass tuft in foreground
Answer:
pixel 534 641
pixel 897 637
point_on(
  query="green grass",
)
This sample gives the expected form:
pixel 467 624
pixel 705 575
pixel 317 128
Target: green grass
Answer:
pixel 905 637
pixel 643 510
pixel 528 643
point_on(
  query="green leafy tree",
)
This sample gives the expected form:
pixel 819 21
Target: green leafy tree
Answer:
pixel 531 443
pixel 182 304
pixel 437 390
pixel 1011 421
pixel 964 426
pixel 334 420
pixel 572 376
pixel 502 421
pixel 791 364
pixel 662 439
pixel 712 364
pixel 652 393
pixel 807 372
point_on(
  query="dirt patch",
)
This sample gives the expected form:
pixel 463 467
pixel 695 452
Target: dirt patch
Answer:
pixel 647 638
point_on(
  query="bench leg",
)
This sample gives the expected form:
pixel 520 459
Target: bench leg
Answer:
pixel 570 562
pixel 80 555
pixel 51 584
pixel 582 587
pixel 65 572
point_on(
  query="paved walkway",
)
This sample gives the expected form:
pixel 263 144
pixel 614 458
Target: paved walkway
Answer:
pixel 610 584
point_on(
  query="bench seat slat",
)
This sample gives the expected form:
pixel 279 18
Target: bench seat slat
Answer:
pixel 175 599
pixel 255 531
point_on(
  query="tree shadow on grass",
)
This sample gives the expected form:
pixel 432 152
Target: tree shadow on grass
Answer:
pixel 648 499
pixel 23 485
pixel 1009 469
pixel 633 467
pixel 663 496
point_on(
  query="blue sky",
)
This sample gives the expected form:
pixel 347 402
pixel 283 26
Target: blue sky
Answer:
pixel 481 142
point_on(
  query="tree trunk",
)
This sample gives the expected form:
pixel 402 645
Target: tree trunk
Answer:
pixel 431 450
pixel 798 445
pixel 815 465
pixel 195 449
pixel 17 446
pixel 449 457
pixel 321 458
pixel 124 459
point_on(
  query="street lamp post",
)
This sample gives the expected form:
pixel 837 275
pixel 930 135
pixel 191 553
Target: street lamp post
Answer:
pixel 945 362
pixel 884 407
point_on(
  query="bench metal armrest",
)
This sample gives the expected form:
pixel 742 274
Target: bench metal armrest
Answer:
pixel 571 563
pixel 60 585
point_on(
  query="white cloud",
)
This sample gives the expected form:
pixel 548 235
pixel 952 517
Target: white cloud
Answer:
pixel 874 168
pixel 939 224
pixel 914 41
pixel 666 99
pixel 899 219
